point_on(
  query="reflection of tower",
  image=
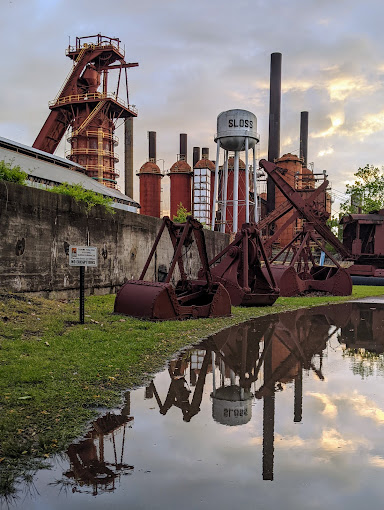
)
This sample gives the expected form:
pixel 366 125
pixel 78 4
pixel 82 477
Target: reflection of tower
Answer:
pixel 298 404
pixel 88 458
pixel 92 113
pixel 231 403
pixel 236 132
pixel 268 415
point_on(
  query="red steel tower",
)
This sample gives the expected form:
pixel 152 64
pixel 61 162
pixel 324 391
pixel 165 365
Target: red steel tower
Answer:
pixel 150 181
pixel 90 112
pixel 180 176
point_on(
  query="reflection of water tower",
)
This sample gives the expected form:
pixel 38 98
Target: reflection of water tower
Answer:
pixel 231 404
pixel 236 132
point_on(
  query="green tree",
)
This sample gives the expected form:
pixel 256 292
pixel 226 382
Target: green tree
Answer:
pixel 367 191
pixel 182 213
pixel 12 173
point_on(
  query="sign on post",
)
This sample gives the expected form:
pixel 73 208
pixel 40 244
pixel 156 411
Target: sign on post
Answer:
pixel 82 256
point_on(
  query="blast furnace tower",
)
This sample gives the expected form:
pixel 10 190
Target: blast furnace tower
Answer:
pixel 85 104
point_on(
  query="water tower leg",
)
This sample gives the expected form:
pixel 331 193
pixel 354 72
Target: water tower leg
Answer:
pixel 246 180
pixel 216 187
pixel 236 193
pixel 225 193
pixel 255 184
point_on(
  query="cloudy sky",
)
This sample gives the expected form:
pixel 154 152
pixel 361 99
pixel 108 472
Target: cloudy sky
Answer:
pixel 200 57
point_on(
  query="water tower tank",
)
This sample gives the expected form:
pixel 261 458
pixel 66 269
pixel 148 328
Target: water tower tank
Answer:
pixel 233 126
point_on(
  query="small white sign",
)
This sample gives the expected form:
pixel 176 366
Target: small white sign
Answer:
pixel 83 256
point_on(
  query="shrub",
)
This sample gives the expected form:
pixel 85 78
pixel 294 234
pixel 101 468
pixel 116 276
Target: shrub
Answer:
pixel 87 197
pixel 12 173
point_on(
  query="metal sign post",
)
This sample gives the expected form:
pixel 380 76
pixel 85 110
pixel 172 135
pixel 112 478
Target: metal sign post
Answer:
pixel 82 256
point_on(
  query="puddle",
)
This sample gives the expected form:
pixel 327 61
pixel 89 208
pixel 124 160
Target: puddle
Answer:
pixel 284 411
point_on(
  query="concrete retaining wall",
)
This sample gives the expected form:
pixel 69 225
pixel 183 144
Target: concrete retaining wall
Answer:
pixel 37 227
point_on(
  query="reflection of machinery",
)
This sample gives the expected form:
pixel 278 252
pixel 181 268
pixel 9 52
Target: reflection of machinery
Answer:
pixel 190 298
pixel 179 392
pixel 363 327
pixel 298 271
pixel 239 270
pixel 89 467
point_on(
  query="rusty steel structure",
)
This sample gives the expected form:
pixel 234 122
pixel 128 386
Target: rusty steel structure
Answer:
pixel 294 267
pixel 239 270
pixel 363 236
pixel 189 298
pixel 89 111
pixel 150 181
pixel 180 175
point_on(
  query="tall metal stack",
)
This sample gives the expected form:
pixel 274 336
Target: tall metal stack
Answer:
pixel 90 112
pixel 150 181
pixel 180 175
pixel 274 122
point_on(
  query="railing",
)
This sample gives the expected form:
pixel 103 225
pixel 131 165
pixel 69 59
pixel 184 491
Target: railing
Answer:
pixel 91 46
pixel 92 152
pixel 115 139
pixel 106 169
pixel 95 96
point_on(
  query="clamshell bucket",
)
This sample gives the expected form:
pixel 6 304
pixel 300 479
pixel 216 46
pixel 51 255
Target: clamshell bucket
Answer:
pixel 239 269
pixel 329 279
pixel 298 271
pixel 159 301
pixel 190 298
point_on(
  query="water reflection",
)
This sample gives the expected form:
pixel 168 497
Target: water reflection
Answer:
pixel 90 470
pixel 234 370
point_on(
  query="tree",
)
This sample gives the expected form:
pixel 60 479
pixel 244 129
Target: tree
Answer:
pixel 12 173
pixel 182 213
pixel 367 192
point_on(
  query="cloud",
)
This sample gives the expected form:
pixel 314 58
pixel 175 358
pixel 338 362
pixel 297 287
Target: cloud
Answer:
pixel 331 440
pixel 330 408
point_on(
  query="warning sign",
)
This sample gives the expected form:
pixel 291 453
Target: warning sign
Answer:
pixel 83 256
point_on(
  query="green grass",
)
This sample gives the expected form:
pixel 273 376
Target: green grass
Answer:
pixel 54 372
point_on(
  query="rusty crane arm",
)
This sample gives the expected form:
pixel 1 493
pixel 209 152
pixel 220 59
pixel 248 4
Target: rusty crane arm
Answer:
pixel 306 208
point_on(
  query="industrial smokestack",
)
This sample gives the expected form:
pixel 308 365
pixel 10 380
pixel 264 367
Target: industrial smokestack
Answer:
pixel 205 153
pixel 304 138
pixel 152 146
pixel 196 155
pixel 128 156
pixel 274 122
pixel 183 146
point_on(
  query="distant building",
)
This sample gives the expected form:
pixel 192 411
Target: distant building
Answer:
pixel 45 170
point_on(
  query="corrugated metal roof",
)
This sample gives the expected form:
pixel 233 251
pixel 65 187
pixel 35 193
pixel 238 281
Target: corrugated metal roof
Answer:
pixel 31 151
pixel 55 169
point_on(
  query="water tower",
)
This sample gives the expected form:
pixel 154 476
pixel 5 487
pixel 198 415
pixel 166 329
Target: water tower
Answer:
pixel 236 133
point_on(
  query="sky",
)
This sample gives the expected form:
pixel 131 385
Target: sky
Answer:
pixel 199 58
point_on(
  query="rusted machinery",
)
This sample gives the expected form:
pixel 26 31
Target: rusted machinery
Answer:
pixel 294 267
pixel 239 270
pixel 189 298
pixel 363 236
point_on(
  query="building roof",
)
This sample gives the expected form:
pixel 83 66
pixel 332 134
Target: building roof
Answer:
pixel 48 168
pixel 180 167
pixel 205 163
pixel 150 168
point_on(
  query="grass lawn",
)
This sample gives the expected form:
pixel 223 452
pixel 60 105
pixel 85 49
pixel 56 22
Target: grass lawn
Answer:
pixel 55 372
